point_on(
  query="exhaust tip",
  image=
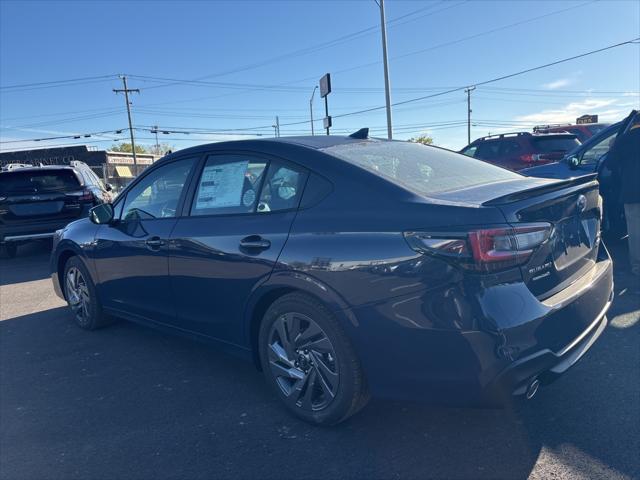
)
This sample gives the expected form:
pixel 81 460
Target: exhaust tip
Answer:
pixel 532 389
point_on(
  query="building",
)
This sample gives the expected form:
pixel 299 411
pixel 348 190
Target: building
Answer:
pixel 116 168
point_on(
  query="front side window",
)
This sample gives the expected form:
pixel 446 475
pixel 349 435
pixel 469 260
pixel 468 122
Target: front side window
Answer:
pixel 470 151
pixel 158 193
pixel 593 154
pixel 419 168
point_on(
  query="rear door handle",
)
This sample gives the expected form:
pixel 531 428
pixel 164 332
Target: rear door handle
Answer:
pixel 254 242
pixel 154 243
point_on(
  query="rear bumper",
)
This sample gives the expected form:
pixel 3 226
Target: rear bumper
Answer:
pixel 32 231
pixel 537 340
pixel 545 365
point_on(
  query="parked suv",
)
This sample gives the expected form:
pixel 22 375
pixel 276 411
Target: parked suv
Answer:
pixel 583 132
pixel 516 151
pixel 36 201
pixel 590 158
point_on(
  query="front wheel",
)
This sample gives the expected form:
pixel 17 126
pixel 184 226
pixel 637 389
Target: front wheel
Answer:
pixel 80 293
pixel 309 362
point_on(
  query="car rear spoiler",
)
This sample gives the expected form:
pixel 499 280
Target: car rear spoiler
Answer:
pixel 542 189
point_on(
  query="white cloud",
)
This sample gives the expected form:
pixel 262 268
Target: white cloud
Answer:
pixel 607 109
pixel 556 84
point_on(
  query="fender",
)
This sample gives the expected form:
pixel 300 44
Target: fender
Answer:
pixel 81 245
pixel 289 281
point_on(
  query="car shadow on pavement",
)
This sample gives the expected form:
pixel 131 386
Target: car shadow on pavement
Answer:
pixel 28 264
pixel 131 402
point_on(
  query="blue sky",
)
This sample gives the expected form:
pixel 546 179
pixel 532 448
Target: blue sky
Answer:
pixel 259 59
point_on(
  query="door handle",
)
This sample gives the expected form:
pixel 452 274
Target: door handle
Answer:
pixel 254 242
pixel 154 242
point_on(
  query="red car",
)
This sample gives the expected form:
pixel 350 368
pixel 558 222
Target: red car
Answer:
pixel 583 132
pixel 516 151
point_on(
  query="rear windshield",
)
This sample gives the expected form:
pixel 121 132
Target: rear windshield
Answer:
pixel 555 144
pixel 421 169
pixel 34 181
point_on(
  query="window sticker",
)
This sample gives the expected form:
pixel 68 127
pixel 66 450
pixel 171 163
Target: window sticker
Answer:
pixel 249 197
pixel 221 185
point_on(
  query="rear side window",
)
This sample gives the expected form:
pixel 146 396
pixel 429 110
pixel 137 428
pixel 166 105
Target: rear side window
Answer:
pixel 511 147
pixel 421 169
pixel 34 181
pixel 228 184
pixel 488 150
pixel 236 184
pixel 554 144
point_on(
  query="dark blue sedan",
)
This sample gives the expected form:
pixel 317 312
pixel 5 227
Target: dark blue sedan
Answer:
pixel 346 267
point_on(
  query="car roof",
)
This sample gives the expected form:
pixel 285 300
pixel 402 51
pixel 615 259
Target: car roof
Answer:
pixel 38 169
pixel 515 135
pixel 315 142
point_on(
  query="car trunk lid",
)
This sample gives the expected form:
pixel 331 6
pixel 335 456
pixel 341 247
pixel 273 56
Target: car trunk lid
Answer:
pixel 573 208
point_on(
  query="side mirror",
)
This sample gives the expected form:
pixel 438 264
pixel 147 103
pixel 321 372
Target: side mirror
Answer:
pixel 101 214
pixel 108 187
pixel 574 162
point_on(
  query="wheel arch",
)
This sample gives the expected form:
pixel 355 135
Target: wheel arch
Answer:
pixel 282 284
pixel 63 253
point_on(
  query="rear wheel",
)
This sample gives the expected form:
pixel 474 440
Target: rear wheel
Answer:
pixel 309 362
pixel 80 293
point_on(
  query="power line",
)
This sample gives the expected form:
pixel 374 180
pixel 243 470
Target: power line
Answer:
pixel 59 137
pixel 57 82
pixel 497 79
pixel 313 48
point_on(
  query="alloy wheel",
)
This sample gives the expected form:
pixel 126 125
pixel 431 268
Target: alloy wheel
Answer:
pixel 78 295
pixel 303 362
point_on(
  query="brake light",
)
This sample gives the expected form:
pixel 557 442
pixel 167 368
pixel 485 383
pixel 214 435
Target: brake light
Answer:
pixel 86 196
pixel 487 249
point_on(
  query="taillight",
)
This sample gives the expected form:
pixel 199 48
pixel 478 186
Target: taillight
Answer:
pixel 86 196
pixel 486 249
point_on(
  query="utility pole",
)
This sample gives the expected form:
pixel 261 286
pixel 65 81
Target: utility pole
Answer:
pixel 276 127
pixel 468 92
pixel 155 129
pixel 311 108
pixel 126 92
pixel 387 87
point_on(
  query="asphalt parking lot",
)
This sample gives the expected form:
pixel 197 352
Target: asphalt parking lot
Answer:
pixel 130 402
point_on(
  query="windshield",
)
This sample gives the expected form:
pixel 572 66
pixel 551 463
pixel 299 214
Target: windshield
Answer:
pixel 421 169
pixel 37 181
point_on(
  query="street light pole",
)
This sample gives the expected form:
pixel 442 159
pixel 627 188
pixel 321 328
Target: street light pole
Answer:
pixel 311 108
pixel 387 87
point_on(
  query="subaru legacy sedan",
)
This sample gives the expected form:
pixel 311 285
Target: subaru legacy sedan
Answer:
pixel 349 267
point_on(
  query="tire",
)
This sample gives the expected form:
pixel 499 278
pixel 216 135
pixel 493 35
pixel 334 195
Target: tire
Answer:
pixel 11 249
pixel 80 293
pixel 323 383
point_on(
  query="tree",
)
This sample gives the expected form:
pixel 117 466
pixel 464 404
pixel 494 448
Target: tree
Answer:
pixel 423 139
pixel 161 149
pixel 126 148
